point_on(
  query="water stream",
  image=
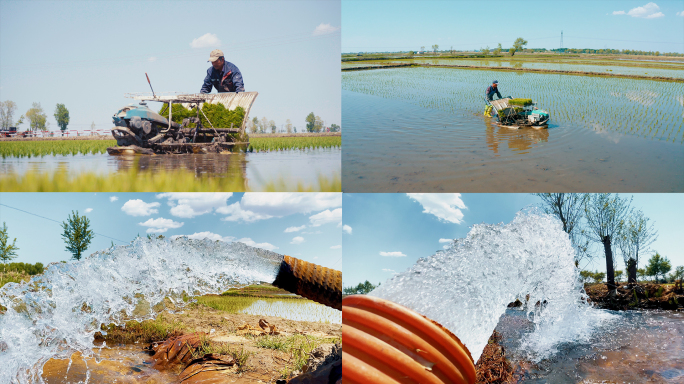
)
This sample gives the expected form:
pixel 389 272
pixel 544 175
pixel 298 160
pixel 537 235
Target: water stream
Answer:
pixel 467 287
pixel 55 315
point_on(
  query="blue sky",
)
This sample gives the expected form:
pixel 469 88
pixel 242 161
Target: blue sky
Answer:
pixel 303 225
pixel 471 25
pixel 87 55
pixel 404 229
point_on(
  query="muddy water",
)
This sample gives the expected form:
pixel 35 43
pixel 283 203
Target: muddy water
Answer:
pixel 396 146
pixel 638 347
pixel 258 168
pixel 118 364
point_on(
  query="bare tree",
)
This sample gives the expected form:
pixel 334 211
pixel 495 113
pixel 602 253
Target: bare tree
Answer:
pixel 636 236
pixel 288 126
pixel 569 209
pixel 435 47
pixel 606 216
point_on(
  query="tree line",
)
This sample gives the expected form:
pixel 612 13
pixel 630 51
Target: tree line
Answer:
pixel 607 224
pixel 35 116
pixel 314 123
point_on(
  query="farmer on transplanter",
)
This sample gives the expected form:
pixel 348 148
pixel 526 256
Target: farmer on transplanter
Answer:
pixel 489 96
pixel 222 75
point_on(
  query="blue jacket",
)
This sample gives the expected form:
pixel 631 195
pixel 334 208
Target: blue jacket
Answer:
pixel 491 91
pixel 227 80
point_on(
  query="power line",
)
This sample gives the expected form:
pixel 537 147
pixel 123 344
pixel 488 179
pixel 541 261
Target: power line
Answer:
pixel 47 218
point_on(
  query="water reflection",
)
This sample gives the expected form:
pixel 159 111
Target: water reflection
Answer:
pixel 519 141
pixel 217 165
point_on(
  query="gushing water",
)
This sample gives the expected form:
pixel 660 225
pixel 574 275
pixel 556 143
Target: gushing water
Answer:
pixel 467 287
pixel 57 313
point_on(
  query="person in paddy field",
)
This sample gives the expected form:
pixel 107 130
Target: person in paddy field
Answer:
pixel 222 75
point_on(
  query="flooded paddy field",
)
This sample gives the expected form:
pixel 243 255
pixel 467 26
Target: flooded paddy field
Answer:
pixel 623 67
pixel 242 171
pixel 411 129
pixel 636 347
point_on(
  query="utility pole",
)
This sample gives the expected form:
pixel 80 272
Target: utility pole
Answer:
pixel 561 47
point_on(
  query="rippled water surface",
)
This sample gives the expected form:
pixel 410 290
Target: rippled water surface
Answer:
pixel 638 347
pixel 422 130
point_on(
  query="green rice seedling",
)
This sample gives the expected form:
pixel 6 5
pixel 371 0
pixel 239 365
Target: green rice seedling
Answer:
pixel 40 148
pixel 287 143
pixel 285 307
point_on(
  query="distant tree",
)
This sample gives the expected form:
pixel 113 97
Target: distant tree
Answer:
pixel 452 50
pixel 605 215
pixel 7 251
pixel 295 129
pixel 77 234
pixel 497 50
pixel 272 125
pixel 411 53
pixel 435 47
pixel 677 277
pixel 37 118
pixel 518 45
pixel 641 273
pixel 288 126
pixel 485 51
pixel 618 276
pixel 569 209
pixel 598 277
pixel 658 266
pixel 334 128
pixel 263 125
pixel 585 275
pixel 20 121
pixel 360 289
pixel 318 124
pixel 62 116
pixel 511 51
pixel 92 126
pixel 310 122
pixel 422 49
pixel 636 236
pixel 7 109
pixel 254 126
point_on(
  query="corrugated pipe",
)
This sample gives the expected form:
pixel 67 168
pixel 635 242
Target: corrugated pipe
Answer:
pixel 384 342
pixel 320 284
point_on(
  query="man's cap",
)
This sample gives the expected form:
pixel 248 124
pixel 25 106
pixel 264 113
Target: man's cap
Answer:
pixel 494 82
pixel 215 54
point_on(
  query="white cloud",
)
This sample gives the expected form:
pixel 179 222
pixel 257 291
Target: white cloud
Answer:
pixel 236 213
pixel 294 229
pixel 325 217
pixel 160 225
pixel 680 13
pixel 392 254
pixel 113 199
pixel 138 207
pixel 297 240
pixel 389 270
pixel 88 210
pixel 189 205
pixel 324 29
pixel 347 229
pixel 252 243
pixel 152 58
pixel 648 11
pixel 445 240
pixel 206 40
pixel 282 204
pixel 336 247
pixel 446 206
pixel 206 235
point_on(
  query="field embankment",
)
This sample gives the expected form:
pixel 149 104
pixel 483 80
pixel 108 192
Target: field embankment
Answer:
pixel 636 296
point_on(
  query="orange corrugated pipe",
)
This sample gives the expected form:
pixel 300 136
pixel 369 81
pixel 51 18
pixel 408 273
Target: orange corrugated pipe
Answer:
pixel 320 284
pixel 384 342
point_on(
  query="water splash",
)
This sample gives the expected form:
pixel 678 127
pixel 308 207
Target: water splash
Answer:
pixel 467 287
pixel 57 313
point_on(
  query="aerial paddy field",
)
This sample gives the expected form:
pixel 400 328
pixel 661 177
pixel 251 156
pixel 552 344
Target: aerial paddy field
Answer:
pixel 416 127
pixel 305 162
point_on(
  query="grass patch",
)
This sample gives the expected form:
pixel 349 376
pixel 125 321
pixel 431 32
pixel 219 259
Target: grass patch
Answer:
pixel 285 143
pixel 235 304
pixel 207 347
pixel 13 277
pixel 147 331
pixel 297 346
pixel 53 147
